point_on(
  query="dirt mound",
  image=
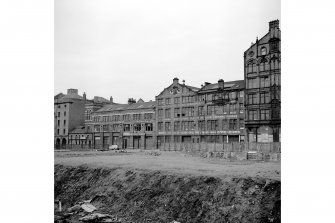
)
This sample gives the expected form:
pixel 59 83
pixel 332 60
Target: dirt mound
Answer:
pixel 152 196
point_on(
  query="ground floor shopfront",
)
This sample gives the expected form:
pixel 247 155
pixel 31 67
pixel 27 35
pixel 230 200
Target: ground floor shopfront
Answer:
pixel 60 142
pixel 263 133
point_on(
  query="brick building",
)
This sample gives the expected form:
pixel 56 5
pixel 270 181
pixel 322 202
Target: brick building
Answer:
pixel 129 125
pixel 191 115
pixel 262 74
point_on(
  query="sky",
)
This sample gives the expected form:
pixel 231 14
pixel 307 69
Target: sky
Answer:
pixel 133 49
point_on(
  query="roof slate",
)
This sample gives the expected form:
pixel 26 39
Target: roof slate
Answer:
pixel 120 107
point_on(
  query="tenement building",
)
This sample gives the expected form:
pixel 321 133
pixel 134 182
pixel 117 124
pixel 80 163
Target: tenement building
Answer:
pixel 189 115
pixel 68 113
pixel 129 126
pixel 263 84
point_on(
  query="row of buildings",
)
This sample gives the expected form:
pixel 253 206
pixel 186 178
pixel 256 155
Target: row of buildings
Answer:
pixel 236 111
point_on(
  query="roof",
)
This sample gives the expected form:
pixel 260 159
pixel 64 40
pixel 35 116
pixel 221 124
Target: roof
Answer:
pixel 121 107
pixel 193 88
pixel 78 130
pixel 229 85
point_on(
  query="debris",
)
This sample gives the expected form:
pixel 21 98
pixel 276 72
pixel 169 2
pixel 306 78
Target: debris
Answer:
pixel 88 207
pixel 97 217
pixel 174 221
pixel 75 208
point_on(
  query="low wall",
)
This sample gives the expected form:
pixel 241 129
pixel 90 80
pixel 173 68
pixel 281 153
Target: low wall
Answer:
pixel 233 150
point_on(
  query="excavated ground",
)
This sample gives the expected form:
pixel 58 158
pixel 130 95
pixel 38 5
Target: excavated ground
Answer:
pixel 147 195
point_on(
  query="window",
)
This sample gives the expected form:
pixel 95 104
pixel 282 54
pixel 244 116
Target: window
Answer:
pixel 201 110
pixel 58 122
pixel 265 114
pixel 137 127
pixel 210 109
pixel 105 128
pixel 115 127
pixel 167 126
pixel 148 127
pixel 176 138
pixel 176 126
pixel 58 106
pixel 232 109
pixel 232 124
pixel 97 128
pixel 263 51
pixel 265 82
pixel 241 123
pixel 224 124
pixel 253 115
pixel 167 139
pixel 252 99
pixel 58 131
pixel 64 131
pixel 265 97
pixel 226 109
pixel 212 125
pixel 187 125
pixel 201 125
pixel 148 116
pixel 252 83
pixel 64 113
pixel 64 122
pixel 160 126
pixel 274 47
pixel 232 95
pixel 105 118
pixel 187 112
pixel 65 106
pixel 187 99
pixel 168 113
pixel 177 100
pixel 160 113
pixel 58 114
pixel 126 117
pixel 167 101
pixel 241 107
pixel 126 127
pixel 136 116
pixel 176 112
pixel 160 101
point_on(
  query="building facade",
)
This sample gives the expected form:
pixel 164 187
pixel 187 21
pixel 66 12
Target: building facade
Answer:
pixel 189 115
pixel 68 114
pixel 130 126
pixel 262 75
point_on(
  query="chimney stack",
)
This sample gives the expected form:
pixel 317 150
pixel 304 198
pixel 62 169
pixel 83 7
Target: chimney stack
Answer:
pixel 207 83
pixel 131 101
pixel 84 96
pixel 111 99
pixel 175 81
pixel 274 29
pixel 221 84
pixel 72 91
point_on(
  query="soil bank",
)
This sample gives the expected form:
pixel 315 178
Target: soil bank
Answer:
pixel 158 196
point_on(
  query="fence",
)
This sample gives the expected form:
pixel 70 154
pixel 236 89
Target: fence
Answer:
pixel 82 147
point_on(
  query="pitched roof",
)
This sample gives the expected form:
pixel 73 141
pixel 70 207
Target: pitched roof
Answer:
pixel 79 130
pixel 121 107
pixel 229 85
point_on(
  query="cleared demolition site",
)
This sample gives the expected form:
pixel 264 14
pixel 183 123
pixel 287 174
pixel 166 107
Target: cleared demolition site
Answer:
pixel 164 186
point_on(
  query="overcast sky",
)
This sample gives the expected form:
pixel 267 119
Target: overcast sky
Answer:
pixel 134 48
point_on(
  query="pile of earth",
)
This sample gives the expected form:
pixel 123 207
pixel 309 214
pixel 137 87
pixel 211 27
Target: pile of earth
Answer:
pixel 154 196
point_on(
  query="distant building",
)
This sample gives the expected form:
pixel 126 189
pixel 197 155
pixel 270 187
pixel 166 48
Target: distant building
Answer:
pixel 262 75
pixel 69 113
pixel 130 126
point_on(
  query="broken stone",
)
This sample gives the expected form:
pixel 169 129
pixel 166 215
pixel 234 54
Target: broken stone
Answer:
pixel 88 207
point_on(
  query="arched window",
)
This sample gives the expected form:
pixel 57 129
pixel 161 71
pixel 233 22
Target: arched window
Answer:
pixel 263 51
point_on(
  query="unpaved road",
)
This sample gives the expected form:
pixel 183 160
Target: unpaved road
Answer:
pixel 175 162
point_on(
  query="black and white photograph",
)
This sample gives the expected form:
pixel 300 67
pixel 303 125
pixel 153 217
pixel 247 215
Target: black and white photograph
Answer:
pixel 167 111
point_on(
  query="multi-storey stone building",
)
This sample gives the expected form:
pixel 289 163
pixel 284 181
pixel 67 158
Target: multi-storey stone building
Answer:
pixel 68 114
pixel 189 115
pixel 129 125
pixel 262 74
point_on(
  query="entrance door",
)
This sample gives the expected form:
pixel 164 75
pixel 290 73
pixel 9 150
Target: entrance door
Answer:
pixel 124 143
pixel 137 142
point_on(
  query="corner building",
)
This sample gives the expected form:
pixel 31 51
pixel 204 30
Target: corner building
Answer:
pixel 262 74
